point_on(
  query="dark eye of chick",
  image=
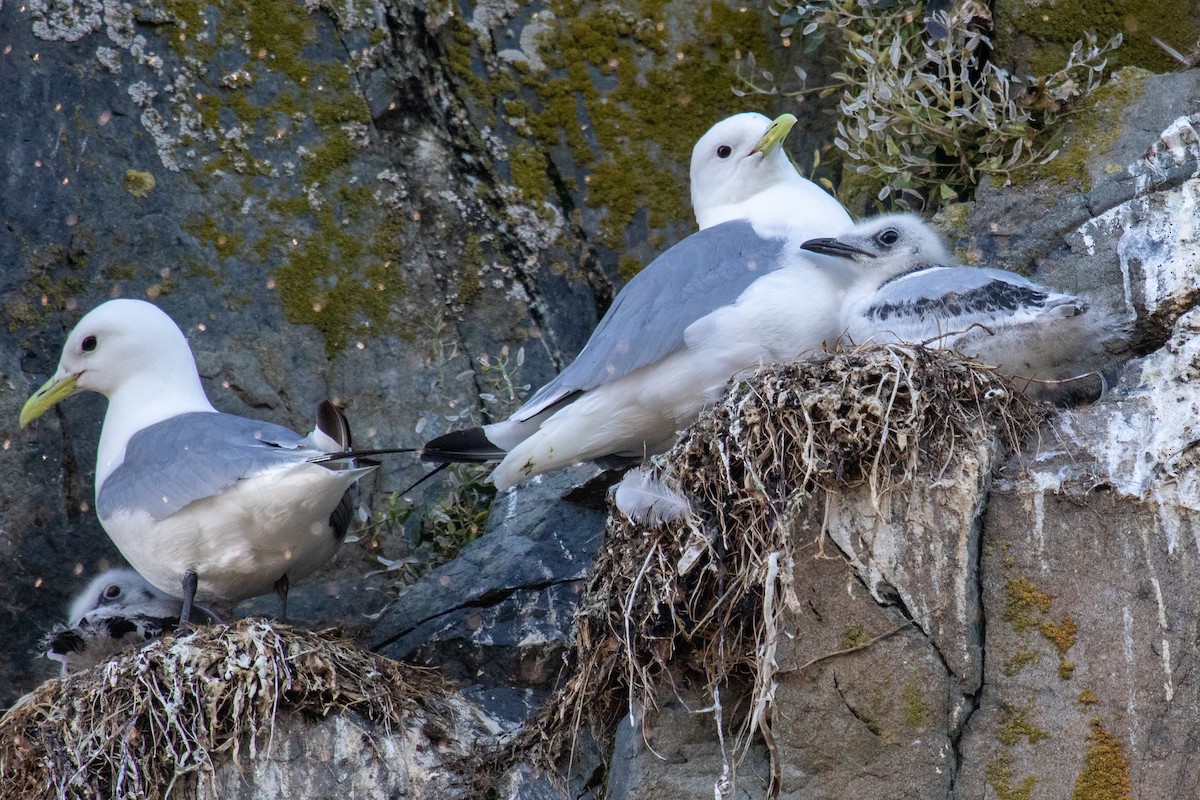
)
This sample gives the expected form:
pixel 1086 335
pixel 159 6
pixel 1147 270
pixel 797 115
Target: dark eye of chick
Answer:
pixel 112 592
pixel 89 344
pixel 724 151
pixel 888 237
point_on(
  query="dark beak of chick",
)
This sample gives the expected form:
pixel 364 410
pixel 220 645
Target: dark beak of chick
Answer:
pixel 834 247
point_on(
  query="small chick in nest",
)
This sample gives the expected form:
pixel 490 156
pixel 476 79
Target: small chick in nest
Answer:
pixel 117 612
pixel 906 293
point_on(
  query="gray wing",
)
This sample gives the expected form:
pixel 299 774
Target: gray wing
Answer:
pixel 960 292
pixel 192 456
pixel 647 320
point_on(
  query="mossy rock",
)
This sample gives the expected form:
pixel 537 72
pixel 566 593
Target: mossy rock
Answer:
pixel 1035 36
pixel 1088 135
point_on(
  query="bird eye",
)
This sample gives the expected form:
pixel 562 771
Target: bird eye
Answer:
pixel 89 344
pixel 887 237
pixel 112 591
pixel 724 151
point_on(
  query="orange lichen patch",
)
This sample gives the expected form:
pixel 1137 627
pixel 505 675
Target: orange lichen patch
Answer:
pixel 1016 726
pixel 1105 774
pixel 1023 602
pixel 1000 778
pixel 1062 635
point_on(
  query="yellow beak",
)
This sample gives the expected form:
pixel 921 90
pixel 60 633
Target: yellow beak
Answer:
pixel 776 133
pixel 51 392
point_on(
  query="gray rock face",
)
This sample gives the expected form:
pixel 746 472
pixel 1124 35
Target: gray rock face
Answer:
pixel 499 615
pixel 349 757
pixel 1111 216
pixel 672 754
pixel 1090 569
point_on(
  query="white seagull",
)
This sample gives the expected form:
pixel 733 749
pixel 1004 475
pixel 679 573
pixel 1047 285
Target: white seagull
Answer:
pixel 735 295
pixel 117 611
pixel 722 301
pixel 204 505
pixel 906 292
pixel 740 170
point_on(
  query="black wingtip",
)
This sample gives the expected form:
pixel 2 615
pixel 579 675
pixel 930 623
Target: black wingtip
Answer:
pixel 361 455
pixel 332 422
pixel 468 446
pixel 425 477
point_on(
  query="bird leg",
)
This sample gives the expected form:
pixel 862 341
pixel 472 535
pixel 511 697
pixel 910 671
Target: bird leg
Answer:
pixel 190 582
pixel 281 591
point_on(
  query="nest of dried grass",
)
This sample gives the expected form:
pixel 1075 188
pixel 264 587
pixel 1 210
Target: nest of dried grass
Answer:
pixel 154 721
pixel 696 599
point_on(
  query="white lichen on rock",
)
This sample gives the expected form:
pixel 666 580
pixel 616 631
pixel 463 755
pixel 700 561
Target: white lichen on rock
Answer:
pixel 392 192
pixel 141 93
pixel 64 20
pixel 109 58
pixel 164 141
pixel 1157 231
pixel 529 53
pixel 119 23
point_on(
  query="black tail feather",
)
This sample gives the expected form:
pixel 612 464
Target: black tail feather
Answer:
pixel 425 477
pixel 468 446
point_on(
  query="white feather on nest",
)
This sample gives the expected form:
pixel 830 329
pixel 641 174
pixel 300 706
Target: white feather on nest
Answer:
pixel 646 499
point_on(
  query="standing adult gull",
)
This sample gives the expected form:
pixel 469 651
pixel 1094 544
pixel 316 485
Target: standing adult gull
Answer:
pixel 906 292
pixel 204 505
pixel 739 170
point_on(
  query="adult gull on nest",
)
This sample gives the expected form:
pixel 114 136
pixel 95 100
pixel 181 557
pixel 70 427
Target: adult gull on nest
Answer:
pixel 721 301
pixel 737 294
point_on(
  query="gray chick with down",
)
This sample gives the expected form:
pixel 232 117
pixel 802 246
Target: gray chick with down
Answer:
pixel 907 290
pixel 117 612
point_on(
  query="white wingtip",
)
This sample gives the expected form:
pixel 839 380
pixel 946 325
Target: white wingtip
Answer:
pixel 646 499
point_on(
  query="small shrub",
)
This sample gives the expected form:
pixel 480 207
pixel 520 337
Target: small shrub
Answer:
pixel 924 113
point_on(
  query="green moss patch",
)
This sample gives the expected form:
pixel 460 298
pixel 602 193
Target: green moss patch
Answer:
pixel 626 91
pixel 1026 609
pixel 1091 130
pixel 276 137
pixel 138 183
pixel 916 708
pixel 1056 24
pixel 1024 604
pixel 1015 725
pixel 1000 778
